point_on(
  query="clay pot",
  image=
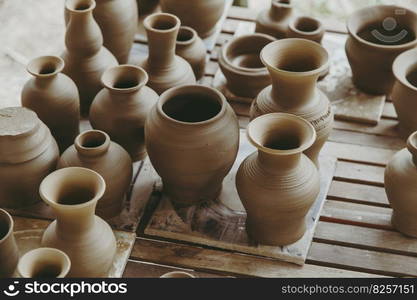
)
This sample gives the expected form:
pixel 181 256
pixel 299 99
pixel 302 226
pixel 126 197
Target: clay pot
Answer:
pixel 54 98
pixel 401 189
pixel 377 35
pixel 190 47
pixel 93 149
pixel 87 239
pixel 274 21
pixel 9 254
pixel 240 63
pixel 278 184
pixel 28 153
pixel 44 263
pixel 294 66
pixel 165 69
pixel 177 274
pixel 147 6
pixel 192 138
pixel 306 28
pixel 202 15
pixel 404 92
pixel 85 57
pixel 121 108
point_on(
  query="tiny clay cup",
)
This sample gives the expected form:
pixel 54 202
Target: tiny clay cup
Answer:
pixel 44 263
pixel 9 253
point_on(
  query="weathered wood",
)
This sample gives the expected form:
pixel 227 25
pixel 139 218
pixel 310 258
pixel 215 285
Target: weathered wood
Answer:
pixel 360 173
pixel 385 127
pixel 389 111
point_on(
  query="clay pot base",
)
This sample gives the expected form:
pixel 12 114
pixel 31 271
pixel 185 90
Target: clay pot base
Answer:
pixel 407 225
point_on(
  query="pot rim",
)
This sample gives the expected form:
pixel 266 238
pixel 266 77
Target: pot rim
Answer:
pixel 412 143
pixel 11 225
pixel 281 3
pixel 70 6
pixel 157 16
pixel 189 41
pixel 400 72
pixel 181 274
pixel 294 28
pixel 108 83
pixel 40 62
pixel 92 151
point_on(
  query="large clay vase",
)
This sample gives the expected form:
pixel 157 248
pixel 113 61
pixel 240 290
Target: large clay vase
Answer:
pixel 377 35
pixel 274 21
pixel 241 65
pixel 404 92
pixel 28 153
pixel 44 263
pixel 54 98
pixel 86 238
pixel 9 254
pixel 401 188
pixel 85 57
pixel 190 47
pixel 164 67
pixel 93 149
pixel 202 15
pixel 278 184
pixel 295 66
pixel 305 27
pixel 121 108
pixel 192 138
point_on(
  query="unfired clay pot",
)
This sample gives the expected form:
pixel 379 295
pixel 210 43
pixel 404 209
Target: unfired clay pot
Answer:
pixel 305 27
pixel 192 138
pixel 93 149
pixel 404 92
pixel 147 6
pixel 278 184
pixel 164 67
pixel 44 263
pixel 294 66
pixel 177 274
pixel 86 238
pixel 377 35
pixel 202 15
pixel 54 98
pixel 9 254
pixel 241 65
pixel 28 153
pixel 190 47
pixel 401 188
pixel 121 108
pixel 85 57
pixel 274 21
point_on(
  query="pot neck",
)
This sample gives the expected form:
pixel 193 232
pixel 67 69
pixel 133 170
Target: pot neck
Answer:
pixel 274 162
pixel 280 11
pixel 73 219
pixel 92 143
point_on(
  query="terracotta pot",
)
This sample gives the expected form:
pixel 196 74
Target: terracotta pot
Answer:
pixel 85 57
pixel 147 6
pixel 44 263
pixel 177 274
pixel 294 66
pixel 278 184
pixel 87 239
pixel 9 254
pixel 28 153
pixel 192 138
pixel 93 149
pixel 190 47
pixel 165 69
pixel 401 189
pixel 241 65
pixel 274 21
pixel 377 35
pixel 54 98
pixel 121 108
pixel 404 92
pixel 305 27
pixel 202 15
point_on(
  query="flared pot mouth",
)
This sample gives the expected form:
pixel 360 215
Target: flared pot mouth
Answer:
pixel 45 66
pixel 6 225
pixel 124 78
pixel 92 143
pixel 162 22
pixel 306 25
pixel 281 3
pixel 281 133
pixel 385 24
pixel 177 274
pixel 72 188
pixel 405 69
pixel 186 36
pixel 412 144
pixel 44 263
pixel 191 105
pixel 80 6
pixel 295 57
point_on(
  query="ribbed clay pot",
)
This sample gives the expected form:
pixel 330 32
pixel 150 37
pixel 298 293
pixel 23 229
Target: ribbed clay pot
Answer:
pixel 305 27
pixel 202 15
pixel 177 274
pixel 44 263
pixel 164 67
pixel 295 66
pixel 121 108
pixel 94 150
pixel 377 35
pixel 86 238
pixel 85 57
pixel 190 47
pixel 404 92
pixel 278 184
pixel 241 65
pixel 401 188
pixel 54 98
pixel 274 21
pixel 192 138
pixel 28 153
pixel 9 254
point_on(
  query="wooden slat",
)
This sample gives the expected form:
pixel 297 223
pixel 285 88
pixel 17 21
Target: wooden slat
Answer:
pixel 211 68
pixel 230 25
pixel 365 139
pixel 223 38
pixel 385 127
pixel 360 173
pixel 389 111
pixel 241 13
